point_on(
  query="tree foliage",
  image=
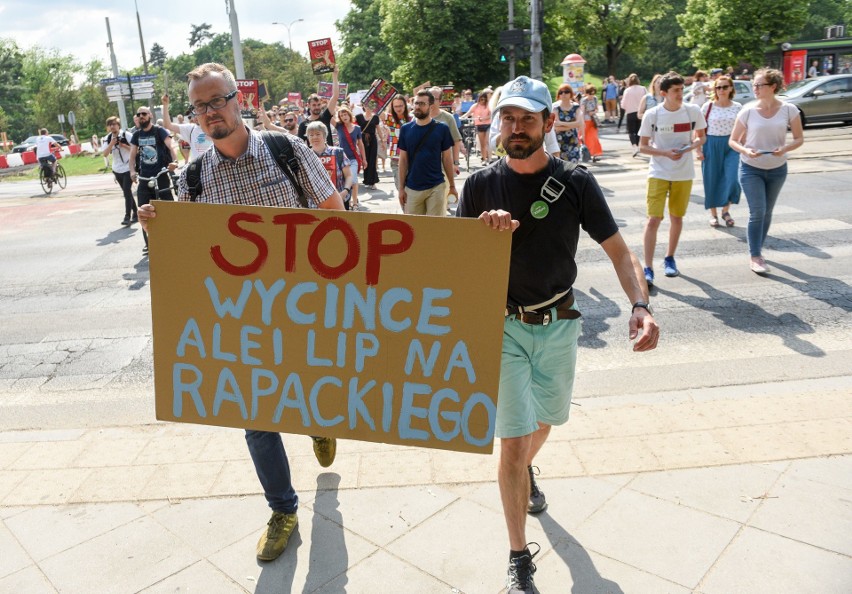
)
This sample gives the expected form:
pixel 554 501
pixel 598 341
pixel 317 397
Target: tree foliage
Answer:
pixel 157 56
pixel 825 13
pixel 444 41
pixel 199 34
pixel 618 27
pixel 364 55
pixel 727 32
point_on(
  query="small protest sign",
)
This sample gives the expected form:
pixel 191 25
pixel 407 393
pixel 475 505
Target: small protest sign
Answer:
pixel 322 55
pixel 447 93
pixel 380 94
pixel 249 103
pixel 328 323
pixel 325 89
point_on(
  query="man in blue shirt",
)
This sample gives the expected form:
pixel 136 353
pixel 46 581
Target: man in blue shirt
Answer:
pixel 425 146
pixel 610 97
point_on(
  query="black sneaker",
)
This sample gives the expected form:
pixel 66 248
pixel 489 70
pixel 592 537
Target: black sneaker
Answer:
pixel 135 219
pixel 537 502
pixel 125 222
pixel 521 571
pixel 145 250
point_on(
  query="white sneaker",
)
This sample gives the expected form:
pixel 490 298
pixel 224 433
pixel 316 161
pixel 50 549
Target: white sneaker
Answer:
pixel 758 266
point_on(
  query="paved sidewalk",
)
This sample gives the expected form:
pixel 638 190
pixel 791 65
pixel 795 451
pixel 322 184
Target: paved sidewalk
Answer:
pixel 717 490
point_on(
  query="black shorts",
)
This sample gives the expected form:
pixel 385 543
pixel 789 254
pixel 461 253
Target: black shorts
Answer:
pixel 483 127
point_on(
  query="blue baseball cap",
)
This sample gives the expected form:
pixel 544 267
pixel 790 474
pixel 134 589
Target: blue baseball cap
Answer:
pixel 527 93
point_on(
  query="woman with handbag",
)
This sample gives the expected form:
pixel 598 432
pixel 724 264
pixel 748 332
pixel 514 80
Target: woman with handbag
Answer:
pixel 568 123
pixel 719 162
pixel 350 139
pixel 589 104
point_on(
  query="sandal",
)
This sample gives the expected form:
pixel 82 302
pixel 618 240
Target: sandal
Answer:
pixel 727 218
pixel 714 222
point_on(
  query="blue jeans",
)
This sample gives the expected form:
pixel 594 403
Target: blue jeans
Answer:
pixel 761 187
pixel 273 470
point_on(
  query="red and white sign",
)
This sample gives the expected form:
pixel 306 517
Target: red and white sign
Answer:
pixel 249 103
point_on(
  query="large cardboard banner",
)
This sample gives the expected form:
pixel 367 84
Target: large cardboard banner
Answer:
pixel 360 326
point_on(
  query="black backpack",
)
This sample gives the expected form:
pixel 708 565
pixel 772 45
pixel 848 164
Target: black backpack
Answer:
pixel 280 147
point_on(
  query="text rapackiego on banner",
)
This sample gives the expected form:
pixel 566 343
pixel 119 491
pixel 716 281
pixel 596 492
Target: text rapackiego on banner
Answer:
pixel 384 328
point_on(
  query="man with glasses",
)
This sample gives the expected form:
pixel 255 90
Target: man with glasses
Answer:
pixel 240 169
pixel 425 148
pixel 289 122
pixel 153 145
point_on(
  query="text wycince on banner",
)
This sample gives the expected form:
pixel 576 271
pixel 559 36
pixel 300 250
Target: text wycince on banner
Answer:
pixel 360 326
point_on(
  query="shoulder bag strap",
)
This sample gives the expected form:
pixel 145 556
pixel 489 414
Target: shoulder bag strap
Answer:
pixel 280 147
pixel 527 222
pixel 193 178
pixel 432 126
pixel 352 144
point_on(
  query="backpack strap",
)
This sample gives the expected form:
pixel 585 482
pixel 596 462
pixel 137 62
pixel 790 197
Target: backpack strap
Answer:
pixel 562 175
pixel 193 178
pixel 281 148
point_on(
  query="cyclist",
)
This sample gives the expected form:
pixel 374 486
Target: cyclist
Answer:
pixel 43 153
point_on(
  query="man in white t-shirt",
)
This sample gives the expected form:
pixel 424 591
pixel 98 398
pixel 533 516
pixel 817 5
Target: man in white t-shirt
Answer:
pixel 43 145
pixel 669 133
pixel 191 133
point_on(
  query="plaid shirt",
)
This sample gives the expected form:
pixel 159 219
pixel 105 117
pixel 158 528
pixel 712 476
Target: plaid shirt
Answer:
pixel 255 178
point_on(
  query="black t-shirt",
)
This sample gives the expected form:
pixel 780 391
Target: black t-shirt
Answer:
pixel 153 154
pixel 542 263
pixel 325 118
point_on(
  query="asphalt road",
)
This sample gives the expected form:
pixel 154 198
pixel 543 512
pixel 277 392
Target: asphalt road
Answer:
pixel 75 327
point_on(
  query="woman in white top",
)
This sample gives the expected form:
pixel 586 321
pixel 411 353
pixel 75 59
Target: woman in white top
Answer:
pixel 760 136
pixel 653 98
pixel 719 162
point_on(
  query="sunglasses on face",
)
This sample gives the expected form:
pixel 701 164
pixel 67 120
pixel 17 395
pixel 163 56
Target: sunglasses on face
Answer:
pixel 289 121
pixel 722 87
pixel 566 92
pixel 140 114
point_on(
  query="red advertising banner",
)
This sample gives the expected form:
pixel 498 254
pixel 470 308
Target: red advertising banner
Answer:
pixel 379 95
pixel 249 104
pixel 322 55
pixel 324 89
pixel 795 65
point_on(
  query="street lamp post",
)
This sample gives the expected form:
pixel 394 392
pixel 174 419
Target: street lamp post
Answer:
pixel 289 41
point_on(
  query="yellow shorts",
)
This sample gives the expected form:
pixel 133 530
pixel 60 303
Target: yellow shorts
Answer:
pixel 677 193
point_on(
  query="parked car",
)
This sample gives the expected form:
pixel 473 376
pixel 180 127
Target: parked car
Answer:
pixel 30 143
pixel 822 99
pixel 744 92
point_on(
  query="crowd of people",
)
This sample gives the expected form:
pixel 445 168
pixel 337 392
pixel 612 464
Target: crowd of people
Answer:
pixel 530 144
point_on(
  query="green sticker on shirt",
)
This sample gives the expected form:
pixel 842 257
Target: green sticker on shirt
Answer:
pixel 539 209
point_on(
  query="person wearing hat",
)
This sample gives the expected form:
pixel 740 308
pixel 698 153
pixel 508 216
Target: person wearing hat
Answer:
pixel 543 201
pixel 481 114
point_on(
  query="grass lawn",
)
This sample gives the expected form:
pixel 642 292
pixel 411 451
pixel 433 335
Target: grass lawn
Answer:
pixel 588 78
pixel 80 164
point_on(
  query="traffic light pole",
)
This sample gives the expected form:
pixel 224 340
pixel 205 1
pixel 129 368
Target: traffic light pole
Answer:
pixel 535 38
pixel 512 48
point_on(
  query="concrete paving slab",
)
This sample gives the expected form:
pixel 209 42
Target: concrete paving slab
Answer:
pixel 30 580
pixel 48 530
pixel 759 562
pixel 237 478
pixel 176 448
pixel 201 578
pixel 407 467
pixel 9 479
pixel 733 492
pixel 557 459
pixel 118 483
pixel 830 471
pixel 127 559
pixel 46 487
pixel 210 525
pixel 52 454
pixel 381 572
pixel 673 542
pixel 469 549
pixel 308 475
pixel 613 456
pixel 41 436
pixel 381 515
pixel 173 481
pixel 455 467
pixel 14 557
pixel 688 449
pixel 807 511
pixel 10 452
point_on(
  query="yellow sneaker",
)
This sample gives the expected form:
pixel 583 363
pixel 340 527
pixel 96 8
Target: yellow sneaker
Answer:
pixel 274 539
pixel 325 449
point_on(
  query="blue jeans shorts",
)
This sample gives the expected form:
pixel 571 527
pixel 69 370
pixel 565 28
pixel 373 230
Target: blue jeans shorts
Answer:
pixel 536 375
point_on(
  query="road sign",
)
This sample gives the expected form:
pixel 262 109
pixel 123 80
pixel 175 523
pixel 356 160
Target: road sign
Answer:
pixel 72 119
pixel 142 95
pixel 142 86
pixel 61 118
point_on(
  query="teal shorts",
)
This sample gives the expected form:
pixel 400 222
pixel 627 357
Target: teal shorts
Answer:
pixel 536 375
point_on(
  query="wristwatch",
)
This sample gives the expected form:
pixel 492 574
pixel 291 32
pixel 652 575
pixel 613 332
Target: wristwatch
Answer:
pixel 456 163
pixel 644 305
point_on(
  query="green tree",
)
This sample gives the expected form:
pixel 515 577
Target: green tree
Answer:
pixel 618 27
pixel 198 34
pixel 157 56
pixel 824 13
pixel 444 41
pixel 13 90
pixel 93 108
pixel 49 78
pixel 728 32
pixel 364 55
pixel 283 70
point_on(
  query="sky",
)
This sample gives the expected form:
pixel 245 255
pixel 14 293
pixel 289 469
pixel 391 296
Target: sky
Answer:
pixel 78 27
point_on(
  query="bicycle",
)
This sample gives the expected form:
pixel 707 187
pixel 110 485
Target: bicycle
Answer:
pixel 152 181
pixel 468 132
pixel 48 178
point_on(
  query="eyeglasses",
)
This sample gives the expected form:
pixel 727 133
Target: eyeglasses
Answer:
pixel 566 92
pixel 722 87
pixel 289 121
pixel 202 107
pixel 139 114
pixel 420 103
pixel 758 85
